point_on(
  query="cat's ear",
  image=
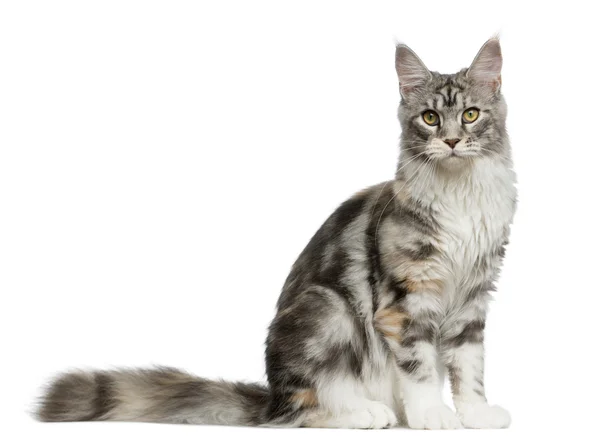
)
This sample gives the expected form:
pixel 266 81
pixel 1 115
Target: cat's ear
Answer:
pixel 412 72
pixel 485 69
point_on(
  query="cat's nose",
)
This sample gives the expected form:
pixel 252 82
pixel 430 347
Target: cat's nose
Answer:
pixel 452 142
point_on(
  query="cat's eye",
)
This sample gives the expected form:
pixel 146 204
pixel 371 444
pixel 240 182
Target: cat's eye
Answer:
pixel 470 115
pixel 431 118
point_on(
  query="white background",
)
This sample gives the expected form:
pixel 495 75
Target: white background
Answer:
pixel 162 164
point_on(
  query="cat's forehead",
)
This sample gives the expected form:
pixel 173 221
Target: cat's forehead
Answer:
pixel 446 93
pixel 447 90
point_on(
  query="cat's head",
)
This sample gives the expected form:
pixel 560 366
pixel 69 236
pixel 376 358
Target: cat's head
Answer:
pixel 452 119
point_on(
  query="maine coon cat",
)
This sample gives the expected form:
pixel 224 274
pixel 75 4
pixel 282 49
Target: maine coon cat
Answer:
pixel 389 295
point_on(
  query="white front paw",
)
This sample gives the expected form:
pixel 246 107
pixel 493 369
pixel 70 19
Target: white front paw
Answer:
pixel 482 416
pixel 437 417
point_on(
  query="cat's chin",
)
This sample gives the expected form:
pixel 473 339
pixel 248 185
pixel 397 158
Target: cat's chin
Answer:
pixel 455 163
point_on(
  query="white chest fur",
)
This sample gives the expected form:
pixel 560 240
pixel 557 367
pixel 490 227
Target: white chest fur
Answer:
pixel 474 214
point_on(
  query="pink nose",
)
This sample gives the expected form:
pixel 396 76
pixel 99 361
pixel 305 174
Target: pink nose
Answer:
pixel 452 142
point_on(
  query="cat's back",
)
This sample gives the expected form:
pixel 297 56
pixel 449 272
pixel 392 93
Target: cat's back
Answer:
pixel 340 251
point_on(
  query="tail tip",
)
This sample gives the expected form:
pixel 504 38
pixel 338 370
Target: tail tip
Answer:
pixel 73 396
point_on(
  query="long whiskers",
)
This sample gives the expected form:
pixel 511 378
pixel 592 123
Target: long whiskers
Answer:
pixel 406 162
pixel 494 153
pixel 427 163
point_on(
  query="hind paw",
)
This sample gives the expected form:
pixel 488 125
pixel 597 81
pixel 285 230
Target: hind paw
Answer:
pixel 438 417
pixel 373 415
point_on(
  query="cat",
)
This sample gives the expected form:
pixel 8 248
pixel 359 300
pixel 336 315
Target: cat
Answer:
pixel 389 295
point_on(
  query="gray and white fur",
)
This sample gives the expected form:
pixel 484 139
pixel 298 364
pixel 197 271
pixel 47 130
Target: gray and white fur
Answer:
pixel 388 296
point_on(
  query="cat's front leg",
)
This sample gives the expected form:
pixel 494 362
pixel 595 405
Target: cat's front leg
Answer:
pixel 463 354
pixel 409 331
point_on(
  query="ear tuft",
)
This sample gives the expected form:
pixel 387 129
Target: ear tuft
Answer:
pixel 412 72
pixel 487 65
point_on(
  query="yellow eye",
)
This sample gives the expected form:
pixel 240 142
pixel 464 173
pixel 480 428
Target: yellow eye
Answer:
pixel 470 115
pixel 431 118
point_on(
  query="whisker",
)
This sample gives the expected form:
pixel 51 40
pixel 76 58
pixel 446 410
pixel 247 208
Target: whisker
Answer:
pixel 379 196
pixel 419 169
pixel 404 166
pixel 500 155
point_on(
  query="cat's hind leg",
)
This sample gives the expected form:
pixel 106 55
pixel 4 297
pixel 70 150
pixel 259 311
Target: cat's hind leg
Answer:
pixel 343 403
pixel 317 356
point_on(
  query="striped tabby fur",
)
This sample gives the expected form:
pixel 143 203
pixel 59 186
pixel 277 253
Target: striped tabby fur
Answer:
pixel 389 295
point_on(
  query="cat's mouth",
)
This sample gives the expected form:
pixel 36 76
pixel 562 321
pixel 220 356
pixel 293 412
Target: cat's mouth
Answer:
pixel 456 159
pixel 453 155
pixel 462 154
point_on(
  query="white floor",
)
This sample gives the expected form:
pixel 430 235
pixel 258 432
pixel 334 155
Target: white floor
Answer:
pixel 27 431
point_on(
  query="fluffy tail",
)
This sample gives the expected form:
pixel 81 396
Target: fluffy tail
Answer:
pixel 152 395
